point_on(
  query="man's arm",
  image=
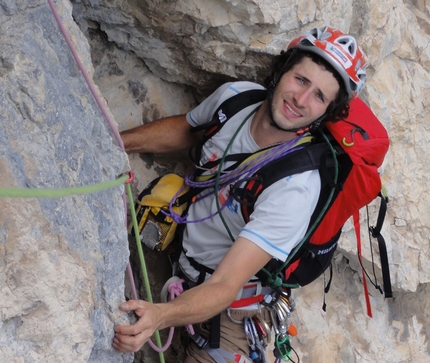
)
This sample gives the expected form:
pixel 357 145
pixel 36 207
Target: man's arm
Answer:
pixel 169 134
pixel 243 261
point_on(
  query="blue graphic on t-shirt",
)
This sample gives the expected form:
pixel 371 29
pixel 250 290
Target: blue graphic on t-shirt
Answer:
pixel 233 205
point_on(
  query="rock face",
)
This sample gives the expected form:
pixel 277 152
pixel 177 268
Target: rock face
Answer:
pixel 62 260
pixel 60 283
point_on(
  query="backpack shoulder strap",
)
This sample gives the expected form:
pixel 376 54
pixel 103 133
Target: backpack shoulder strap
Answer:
pixel 334 166
pixel 311 157
pixel 222 114
pixel 376 233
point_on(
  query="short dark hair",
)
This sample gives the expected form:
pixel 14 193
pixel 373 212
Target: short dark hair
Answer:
pixel 282 63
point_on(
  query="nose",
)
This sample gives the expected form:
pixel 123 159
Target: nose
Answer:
pixel 302 97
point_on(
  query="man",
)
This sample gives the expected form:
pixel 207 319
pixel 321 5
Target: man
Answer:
pixel 313 80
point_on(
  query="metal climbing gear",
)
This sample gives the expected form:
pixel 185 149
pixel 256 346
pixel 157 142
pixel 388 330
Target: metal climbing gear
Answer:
pixel 263 329
pixel 280 314
pixel 257 348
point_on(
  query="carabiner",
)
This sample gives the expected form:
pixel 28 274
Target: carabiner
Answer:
pixel 285 309
pixel 274 321
pixel 232 319
pixel 248 332
pixel 289 301
pixel 262 324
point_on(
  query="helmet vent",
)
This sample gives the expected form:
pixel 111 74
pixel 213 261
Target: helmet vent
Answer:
pixel 306 42
pixel 349 44
pixel 353 85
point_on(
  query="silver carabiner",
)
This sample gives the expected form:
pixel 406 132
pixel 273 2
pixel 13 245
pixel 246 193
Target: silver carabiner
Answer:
pixel 232 319
pixel 274 320
pixel 280 312
pixel 288 299
pixel 248 332
pixel 282 326
pixel 283 305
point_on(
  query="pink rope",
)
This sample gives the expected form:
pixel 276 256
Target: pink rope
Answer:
pixel 90 84
pixel 175 288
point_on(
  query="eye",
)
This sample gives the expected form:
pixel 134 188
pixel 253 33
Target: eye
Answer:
pixel 320 96
pixel 301 80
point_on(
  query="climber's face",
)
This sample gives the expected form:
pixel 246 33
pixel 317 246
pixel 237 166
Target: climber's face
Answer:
pixel 303 94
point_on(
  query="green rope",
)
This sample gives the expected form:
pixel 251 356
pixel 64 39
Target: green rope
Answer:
pixel 58 193
pixel 273 281
pixel 142 260
pixel 218 173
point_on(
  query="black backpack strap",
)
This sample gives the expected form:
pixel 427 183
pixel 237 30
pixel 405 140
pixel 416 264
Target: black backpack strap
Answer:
pixel 215 329
pixel 223 113
pixel 376 233
pixel 328 159
pixel 198 266
pixel 311 157
pixel 215 334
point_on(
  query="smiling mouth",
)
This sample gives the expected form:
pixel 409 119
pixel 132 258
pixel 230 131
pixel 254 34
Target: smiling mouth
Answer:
pixel 292 111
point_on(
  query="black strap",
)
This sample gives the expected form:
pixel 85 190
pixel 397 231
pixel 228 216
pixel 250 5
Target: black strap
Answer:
pixel 198 266
pixel 215 331
pixel 215 336
pixel 376 233
pixel 233 105
pixel 311 157
pixel 223 113
pixel 327 287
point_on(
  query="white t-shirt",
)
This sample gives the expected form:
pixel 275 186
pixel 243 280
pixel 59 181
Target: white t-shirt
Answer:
pixel 281 213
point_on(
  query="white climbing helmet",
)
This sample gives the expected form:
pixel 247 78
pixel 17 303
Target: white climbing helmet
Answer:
pixel 339 50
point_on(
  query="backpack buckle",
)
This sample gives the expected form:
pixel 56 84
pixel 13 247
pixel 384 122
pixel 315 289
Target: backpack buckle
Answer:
pixel 199 340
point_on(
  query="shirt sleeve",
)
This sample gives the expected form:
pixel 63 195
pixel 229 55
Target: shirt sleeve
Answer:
pixel 205 110
pixel 282 214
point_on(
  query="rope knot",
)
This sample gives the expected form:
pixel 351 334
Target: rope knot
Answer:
pixel 175 288
pixel 274 282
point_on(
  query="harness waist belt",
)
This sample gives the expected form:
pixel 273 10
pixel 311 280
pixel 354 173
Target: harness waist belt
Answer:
pixel 250 294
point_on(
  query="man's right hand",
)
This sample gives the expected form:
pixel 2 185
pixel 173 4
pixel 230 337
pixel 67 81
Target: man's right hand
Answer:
pixel 130 338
